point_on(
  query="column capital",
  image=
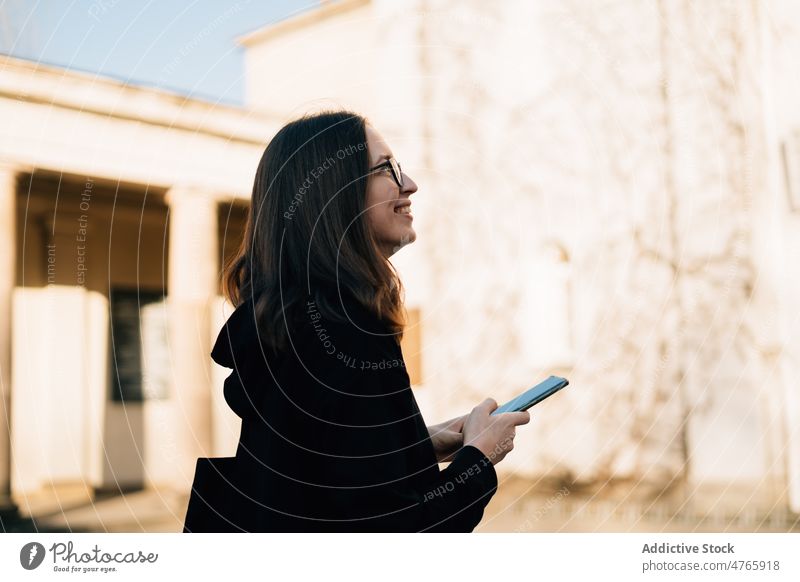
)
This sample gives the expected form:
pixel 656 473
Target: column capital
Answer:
pixel 180 192
pixel 8 169
pixel 8 165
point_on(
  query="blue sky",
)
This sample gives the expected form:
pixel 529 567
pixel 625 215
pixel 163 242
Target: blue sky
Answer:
pixel 185 46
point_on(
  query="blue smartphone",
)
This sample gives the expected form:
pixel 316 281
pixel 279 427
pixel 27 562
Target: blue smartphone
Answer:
pixel 533 396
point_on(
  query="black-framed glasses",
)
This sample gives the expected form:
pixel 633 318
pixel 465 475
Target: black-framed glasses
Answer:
pixel 394 166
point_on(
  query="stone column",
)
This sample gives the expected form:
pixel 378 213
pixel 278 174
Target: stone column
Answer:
pixel 192 283
pixel 8 251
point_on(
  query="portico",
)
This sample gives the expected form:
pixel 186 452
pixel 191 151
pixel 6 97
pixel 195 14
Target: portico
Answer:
pixel 120 208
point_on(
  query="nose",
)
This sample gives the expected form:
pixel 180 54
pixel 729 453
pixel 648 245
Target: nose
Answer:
pixel 409 185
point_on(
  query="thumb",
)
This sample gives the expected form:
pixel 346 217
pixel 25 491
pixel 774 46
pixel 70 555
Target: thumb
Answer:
pixel 489 404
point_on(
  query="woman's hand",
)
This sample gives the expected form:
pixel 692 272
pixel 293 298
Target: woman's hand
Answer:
pixel 492 435
pixel 447 438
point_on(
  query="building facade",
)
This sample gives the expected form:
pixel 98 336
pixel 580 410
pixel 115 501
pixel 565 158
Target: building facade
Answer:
pixel 118 206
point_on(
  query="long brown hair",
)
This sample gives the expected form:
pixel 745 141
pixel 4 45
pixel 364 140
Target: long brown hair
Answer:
pixel 306 229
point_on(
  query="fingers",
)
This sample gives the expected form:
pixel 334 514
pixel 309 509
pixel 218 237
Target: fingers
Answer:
pixel 522 417
pixel 457 424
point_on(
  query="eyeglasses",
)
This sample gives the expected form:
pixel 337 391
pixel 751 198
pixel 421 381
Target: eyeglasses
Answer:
pixel 394 166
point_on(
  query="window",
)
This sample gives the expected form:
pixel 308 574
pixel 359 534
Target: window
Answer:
pixel 139 354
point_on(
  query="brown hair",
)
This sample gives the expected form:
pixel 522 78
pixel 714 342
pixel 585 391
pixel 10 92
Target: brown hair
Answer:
pixel 306 228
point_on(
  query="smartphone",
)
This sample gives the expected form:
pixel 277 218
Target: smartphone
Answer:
pixel 533 396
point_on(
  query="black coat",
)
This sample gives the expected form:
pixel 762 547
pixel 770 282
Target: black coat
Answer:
pixel 332 438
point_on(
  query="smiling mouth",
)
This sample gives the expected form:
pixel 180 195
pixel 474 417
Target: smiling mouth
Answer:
pixel 404 210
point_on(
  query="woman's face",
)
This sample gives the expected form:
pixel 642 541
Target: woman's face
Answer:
pixel 386 217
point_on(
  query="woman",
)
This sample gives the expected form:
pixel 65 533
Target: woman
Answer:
pixel 332 438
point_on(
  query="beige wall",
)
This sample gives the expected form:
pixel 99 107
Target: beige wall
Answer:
pixel 779 240
pixel 529 126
